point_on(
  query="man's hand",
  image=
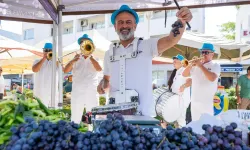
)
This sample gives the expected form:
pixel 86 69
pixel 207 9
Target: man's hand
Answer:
pixel 104 84
pixel 197 63
pixel 76 58
pixel 184 14
pixel 182 88
pixel 238 100
pixel 45 55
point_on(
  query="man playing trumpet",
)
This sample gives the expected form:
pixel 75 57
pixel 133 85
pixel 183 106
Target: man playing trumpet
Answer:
pixel 43 76
pixel 84 69
pixel 204 82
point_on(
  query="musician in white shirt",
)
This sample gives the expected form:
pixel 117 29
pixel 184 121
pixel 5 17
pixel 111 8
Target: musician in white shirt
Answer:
pixel 180 85
pixel 139 69
pixel 204 76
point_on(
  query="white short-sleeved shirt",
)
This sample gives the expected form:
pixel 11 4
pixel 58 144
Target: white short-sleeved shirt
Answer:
pixel 42 82
pixel 2 84
pixel 84 75
pixel 200 84
pixel 138 72
pixel 179 80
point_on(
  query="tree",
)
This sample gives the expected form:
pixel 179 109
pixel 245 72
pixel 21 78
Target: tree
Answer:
pixel 228 30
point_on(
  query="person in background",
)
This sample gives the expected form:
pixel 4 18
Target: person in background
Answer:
pixel 204 76
pixel 67 85
pixel 2 85
pixel 43 78
pixel 85 70
pixel 181 86
pixel 243 90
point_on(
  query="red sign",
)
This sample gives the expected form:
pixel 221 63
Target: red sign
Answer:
pixel 246 33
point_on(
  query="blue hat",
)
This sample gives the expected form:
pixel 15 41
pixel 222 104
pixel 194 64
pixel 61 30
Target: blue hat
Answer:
pixel 48 46
pixel 179 57
pixel 85 36
pixel 207 46
pixel 124 8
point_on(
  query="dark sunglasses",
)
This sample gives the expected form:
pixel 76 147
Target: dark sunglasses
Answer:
pixel 205 52
pixel 47 50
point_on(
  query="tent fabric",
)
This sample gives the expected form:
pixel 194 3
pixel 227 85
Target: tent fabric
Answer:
pixel 32 10
pixel 192 41
pixel 11 49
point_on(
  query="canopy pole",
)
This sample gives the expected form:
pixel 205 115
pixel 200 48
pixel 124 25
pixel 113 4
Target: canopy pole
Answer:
pixel 60 73
pixel 53 82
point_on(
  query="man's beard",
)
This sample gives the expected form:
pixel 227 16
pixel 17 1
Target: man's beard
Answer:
pixel 126 36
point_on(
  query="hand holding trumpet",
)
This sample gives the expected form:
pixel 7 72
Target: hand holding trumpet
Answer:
pixel 194 62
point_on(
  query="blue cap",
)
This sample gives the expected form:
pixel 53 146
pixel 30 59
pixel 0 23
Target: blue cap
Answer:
pixel 85 36
pixel 207 46
pixel 48 46
pixel 124 8
pixel 179 57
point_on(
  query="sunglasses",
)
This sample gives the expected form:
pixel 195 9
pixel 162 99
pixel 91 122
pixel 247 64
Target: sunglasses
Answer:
pixel 205 52
pixel 47 50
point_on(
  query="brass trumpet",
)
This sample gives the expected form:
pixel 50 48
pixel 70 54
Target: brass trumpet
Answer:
pixel 185 62
pixel 87 47
pixel 49 55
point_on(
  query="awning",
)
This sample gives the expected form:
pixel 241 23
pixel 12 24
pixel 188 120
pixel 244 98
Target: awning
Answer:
pixel 33 11
pixel 231 67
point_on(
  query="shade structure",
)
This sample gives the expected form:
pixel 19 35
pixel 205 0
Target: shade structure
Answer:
pixel 33 11
pixel 13 49
pixel 190 44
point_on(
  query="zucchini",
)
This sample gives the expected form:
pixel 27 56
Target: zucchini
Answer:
pixel 43 107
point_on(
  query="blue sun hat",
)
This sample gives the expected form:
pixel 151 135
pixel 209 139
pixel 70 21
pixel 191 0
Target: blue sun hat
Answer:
pixel 85 36
pixel 179 57
pixel 207 46
pixel 124 8
pixel 48 46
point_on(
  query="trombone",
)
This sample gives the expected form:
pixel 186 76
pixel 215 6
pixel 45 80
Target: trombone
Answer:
pixel 86 48
pixel 185 62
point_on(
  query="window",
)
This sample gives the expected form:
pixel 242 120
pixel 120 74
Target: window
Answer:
pixel 159 74
pixel 141 17
pixel 68 27
pixel 28 34
pixel 51 32
pixel 97 25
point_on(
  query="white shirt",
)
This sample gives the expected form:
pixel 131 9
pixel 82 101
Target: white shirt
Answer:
pixel 2 84
pixel 43 82
pixel 138 72
pixel 200 84
pixel 179 80
pixel 84 75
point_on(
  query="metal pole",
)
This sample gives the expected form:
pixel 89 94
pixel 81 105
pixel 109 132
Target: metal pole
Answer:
pixel 60 49
pixel 53 82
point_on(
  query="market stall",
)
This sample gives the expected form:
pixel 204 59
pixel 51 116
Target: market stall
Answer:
pixel 111 131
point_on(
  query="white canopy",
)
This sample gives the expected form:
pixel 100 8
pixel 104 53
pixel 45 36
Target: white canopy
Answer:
pixel 12 49
pixel 33 11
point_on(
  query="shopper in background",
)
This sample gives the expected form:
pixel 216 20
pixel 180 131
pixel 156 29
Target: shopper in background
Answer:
pixel 243 90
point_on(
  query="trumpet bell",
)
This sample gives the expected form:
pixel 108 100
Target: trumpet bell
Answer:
pixel 87 47
pixel 49 55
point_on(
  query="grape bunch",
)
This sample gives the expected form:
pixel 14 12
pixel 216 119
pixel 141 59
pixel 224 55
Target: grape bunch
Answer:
pixel 116 134
pixel 176 26
pixel 228 138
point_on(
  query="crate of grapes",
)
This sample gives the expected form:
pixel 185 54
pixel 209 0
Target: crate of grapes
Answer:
pixel 141 121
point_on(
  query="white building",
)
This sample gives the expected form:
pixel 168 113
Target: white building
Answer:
pixel 76 26
pixel 243 24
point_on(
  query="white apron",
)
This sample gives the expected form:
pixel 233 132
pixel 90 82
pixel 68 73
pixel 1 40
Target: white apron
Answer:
pixel 203 91
pixel 42 84
pixel 179 80
pixel 84 84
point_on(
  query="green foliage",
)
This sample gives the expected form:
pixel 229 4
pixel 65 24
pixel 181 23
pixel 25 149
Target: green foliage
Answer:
pixel 228 30
pixel 232 98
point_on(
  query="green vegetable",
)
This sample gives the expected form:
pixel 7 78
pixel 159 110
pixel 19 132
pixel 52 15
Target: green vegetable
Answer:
pixel 43 107
pixel 38 113
pixel 9 123
pixel 20 119
pixel 6 102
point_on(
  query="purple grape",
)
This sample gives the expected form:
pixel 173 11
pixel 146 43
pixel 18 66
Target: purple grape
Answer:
pixel 234 125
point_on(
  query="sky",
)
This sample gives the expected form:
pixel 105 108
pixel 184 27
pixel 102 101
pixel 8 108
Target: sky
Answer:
pixel 213 18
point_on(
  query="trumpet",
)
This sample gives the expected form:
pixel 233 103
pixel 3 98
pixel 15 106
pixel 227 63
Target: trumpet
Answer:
pixel 87 47
pixel 49 55
pixel 185 62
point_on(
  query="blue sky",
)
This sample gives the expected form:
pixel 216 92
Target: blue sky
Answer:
pixel 214 17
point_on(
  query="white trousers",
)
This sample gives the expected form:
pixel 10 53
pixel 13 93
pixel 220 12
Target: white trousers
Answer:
pixel 79 100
